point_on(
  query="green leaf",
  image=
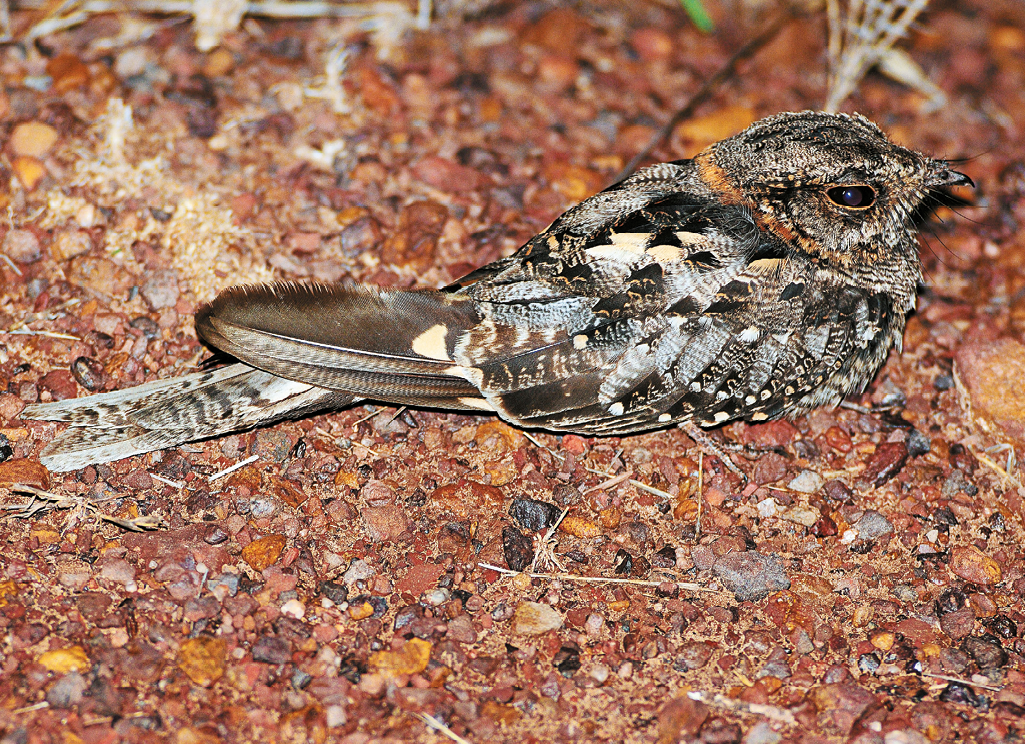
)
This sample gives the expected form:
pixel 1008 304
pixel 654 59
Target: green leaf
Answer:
pixel 698 15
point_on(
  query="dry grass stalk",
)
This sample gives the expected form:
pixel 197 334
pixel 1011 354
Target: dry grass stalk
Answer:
pixel 861 36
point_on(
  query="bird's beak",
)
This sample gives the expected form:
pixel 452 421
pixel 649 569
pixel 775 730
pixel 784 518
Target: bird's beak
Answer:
pixel 942 175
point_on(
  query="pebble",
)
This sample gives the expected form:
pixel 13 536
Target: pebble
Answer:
pixel 360 570
pixel 160 290
pixel 888 460
pixel 263 552
pixel 446 175
pixel 89 373
pixel 64 660
pixel 872 525
pixel 224 585
pixel 335 716
pixel 460 629
pixel 680 719
pixel 117 570
pixel 807 481
pixel 74 578
pixel 762 733
pixel 652 44
pixel 534 515
pixel 272 650
pixel 201 608
pixel 517 548
pixel 420 579
pixel 386 524
pixel 415 242
pixel 693 655
pixel 29 171
pixel 751 575
pixel 377 493
pixel 437 597
pixel 22 246
pixel 535 618
pixel 971 564
pixel 24 471
pixel 68 72
pixel 985 651
pixel 60 383
pixel 768 508
pixel 100 275
pixel 991 372
pixel 410 658
pixel 33 139
pixel 769 468
pixel 769 435
pixel 272 444
pixel 70 243
pixel 294 608
pixel 806 515
pixel 579 527
pixel 702 131
pixel 68 691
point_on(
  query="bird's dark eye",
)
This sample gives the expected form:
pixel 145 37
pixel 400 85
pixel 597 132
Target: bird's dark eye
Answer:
pixel 857 197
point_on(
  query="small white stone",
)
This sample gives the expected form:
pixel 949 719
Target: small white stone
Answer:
pixel 437 597
pixel 807 481
pixel 294 608
pixel 335 715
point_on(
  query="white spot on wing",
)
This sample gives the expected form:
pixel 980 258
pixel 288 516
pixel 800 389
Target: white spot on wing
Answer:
pixel 691 238
pixel 431 343
pixel 616 409
pixel 580 342
pixel 629 241
pixel 665 252
pixel 749 335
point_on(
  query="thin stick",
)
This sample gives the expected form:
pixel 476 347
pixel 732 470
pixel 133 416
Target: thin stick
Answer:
pixel 433 723
pixel 615 481
pixel 705 91
pixel 47 334
pixel 962 681
pixel 701 492
pixel 608 483
pixel 771 712
pixel 598 579
pixel 167 481
pixel 233 468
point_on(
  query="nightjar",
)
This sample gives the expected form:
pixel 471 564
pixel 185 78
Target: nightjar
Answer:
pixel 769 274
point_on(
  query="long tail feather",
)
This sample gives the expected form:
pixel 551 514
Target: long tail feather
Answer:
pixel 166 413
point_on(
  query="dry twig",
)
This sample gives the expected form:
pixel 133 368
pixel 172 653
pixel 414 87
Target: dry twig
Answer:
pixel 862 35
pixel 43 501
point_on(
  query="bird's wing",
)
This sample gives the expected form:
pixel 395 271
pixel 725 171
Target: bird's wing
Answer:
pixel 393 346
pixel 679 310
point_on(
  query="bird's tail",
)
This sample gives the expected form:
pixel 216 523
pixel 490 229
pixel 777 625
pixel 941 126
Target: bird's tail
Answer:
pixel 303 347
pixel 166 413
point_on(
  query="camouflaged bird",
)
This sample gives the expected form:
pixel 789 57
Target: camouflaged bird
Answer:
pixel 770 274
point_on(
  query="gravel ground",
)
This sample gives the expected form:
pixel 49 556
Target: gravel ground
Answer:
pixel 362 576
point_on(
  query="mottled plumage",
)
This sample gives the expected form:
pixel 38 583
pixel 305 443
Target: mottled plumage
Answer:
pixel 770 274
